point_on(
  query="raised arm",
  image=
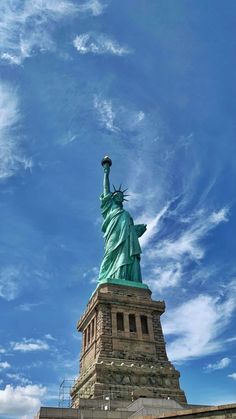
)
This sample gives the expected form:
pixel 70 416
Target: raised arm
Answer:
pixel 106 163
pixel 106 181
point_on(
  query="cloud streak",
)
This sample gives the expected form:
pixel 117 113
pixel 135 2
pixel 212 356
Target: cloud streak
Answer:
pixel 99 44
pixel 9 283
pixel 153 225
pixel 188 243
pixel 116 118
pixel 28 306
pixel 93 6
pixel 106 114
pixel 12 158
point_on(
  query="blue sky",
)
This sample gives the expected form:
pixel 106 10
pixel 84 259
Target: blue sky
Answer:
pixel 152 84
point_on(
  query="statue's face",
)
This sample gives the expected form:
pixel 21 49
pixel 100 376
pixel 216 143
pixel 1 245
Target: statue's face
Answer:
pixel 118 197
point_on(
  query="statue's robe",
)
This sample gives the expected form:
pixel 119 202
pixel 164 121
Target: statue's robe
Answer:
pixel 122 249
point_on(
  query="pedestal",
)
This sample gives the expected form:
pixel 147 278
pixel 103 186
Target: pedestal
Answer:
pixel 123 355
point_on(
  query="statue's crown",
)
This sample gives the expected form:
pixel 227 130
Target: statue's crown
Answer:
pixel 120 191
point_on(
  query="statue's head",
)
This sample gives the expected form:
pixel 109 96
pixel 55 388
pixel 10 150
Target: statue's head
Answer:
pixel 118 195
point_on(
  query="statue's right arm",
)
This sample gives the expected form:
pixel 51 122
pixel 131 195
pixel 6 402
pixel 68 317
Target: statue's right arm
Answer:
pixel 106 182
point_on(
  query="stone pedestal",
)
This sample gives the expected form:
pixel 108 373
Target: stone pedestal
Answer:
pixel 123 351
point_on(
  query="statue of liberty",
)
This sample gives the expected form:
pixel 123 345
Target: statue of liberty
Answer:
pixel 121 261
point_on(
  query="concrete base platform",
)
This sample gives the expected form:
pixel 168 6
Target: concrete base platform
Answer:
pixel 143 408
pixel 111 409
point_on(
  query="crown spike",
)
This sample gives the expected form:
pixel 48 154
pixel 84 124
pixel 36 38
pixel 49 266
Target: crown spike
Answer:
pixel 120 187
pixel 114 188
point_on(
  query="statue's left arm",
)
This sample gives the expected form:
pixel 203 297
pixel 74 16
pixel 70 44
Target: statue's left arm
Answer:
pixel 140 229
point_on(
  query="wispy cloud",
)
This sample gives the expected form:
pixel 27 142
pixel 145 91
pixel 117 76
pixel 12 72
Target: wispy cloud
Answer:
pixel 165 277
pixel 233 339
pixel 189 242
pixel 12 157
pixel 28 306
pixel 233 375
pixel 19 378
pixel 21 401
pixel 219 365
pixel 27 27
pixel 91 275
pixel 196 326
pixel 4 365
pixel 93 6
pixel 9 283
pixel 49 337
pixel 99 44
pixel 29 345
pixel 116 118
pixel 153 225
pixel 106 113
pixel 183 246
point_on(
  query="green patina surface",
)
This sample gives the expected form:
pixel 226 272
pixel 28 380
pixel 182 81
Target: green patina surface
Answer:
pixel 122 282
pixel 121 261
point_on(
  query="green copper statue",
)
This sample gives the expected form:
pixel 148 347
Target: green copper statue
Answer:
pixel 121 261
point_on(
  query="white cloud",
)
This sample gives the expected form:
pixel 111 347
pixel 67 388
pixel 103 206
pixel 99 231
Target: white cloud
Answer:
pixel 21 401
pixel 218 217
pixel 219 365
pixel 12 158
pixel 18 377
pixel 233 375
pixel 99 44
pixel 26 26
pixel 165 277
pixel 189 242
pixel 9 283
pixel 196 326
pixel 4 365
pixel 28 345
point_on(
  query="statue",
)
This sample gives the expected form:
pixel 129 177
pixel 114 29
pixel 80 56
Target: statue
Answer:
pixel 121 260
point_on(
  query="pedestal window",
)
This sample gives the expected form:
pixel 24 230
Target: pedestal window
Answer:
pixel 120 321
pixel 132 323
pixel 144 325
